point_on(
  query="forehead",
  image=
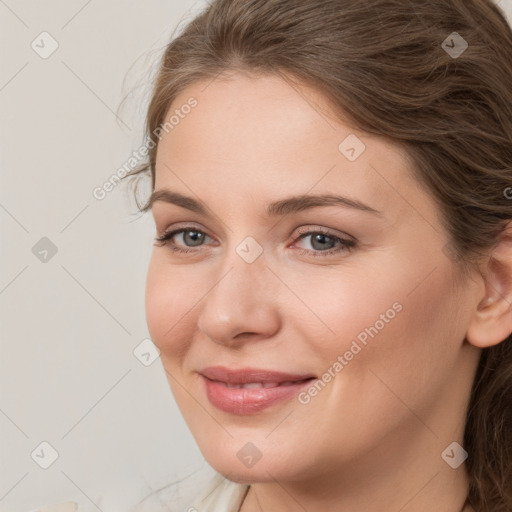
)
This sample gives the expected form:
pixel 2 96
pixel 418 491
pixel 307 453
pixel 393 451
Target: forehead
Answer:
pixel 262 135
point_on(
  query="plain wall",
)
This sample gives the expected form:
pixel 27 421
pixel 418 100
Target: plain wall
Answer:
pixel 70 324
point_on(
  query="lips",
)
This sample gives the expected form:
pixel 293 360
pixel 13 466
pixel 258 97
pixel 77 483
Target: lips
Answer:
pixel 250 390
pixel 251 375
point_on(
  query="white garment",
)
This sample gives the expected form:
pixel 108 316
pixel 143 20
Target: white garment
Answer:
pixel 218 495
pixel 223 496
pixel 203 491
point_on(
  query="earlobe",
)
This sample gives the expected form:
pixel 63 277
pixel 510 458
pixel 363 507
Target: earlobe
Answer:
pixel 492 319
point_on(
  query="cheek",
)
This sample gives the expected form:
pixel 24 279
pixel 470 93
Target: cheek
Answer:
pixel 407 359
pixel 343 306
pixel 167 302
pixel 387 323
pixel 402 342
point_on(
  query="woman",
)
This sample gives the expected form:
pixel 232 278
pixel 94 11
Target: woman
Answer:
pixel 331 285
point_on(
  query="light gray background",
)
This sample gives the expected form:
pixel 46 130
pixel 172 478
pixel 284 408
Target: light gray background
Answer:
pixel 69 326
pixel 68 375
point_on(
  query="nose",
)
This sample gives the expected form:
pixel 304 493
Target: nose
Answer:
pixel 242 304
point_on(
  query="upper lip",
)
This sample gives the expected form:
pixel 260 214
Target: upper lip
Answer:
pixel 247 375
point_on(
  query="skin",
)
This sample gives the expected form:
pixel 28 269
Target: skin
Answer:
pixel 372 438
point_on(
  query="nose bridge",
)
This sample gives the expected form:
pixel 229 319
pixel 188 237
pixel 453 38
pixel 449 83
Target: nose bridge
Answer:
pixel 241 298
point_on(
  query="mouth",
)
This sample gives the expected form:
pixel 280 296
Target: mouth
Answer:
pixel 265 385
pixel 252 376
pixel 248 391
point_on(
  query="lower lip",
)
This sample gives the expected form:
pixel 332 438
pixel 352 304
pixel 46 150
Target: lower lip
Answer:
pixel 244 401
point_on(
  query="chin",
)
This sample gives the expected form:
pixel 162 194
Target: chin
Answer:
pixel 271 465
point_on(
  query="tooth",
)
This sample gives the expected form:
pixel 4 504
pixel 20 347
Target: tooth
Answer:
pixel 257 385
pixel 252 385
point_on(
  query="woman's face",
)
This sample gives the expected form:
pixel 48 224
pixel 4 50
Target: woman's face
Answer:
pixel 357 293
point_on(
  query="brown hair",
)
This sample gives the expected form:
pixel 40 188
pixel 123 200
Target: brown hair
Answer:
pixel 388 66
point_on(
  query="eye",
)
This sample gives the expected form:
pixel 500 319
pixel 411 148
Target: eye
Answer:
pixel 324 242
pixel 189 235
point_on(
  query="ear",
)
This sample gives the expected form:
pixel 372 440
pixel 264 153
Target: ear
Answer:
pixel 491 322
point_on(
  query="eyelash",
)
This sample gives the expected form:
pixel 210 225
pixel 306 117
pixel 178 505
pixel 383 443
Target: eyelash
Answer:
pixel 344 244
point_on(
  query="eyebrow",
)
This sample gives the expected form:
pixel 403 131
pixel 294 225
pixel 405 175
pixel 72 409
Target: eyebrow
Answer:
pixel 278 208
